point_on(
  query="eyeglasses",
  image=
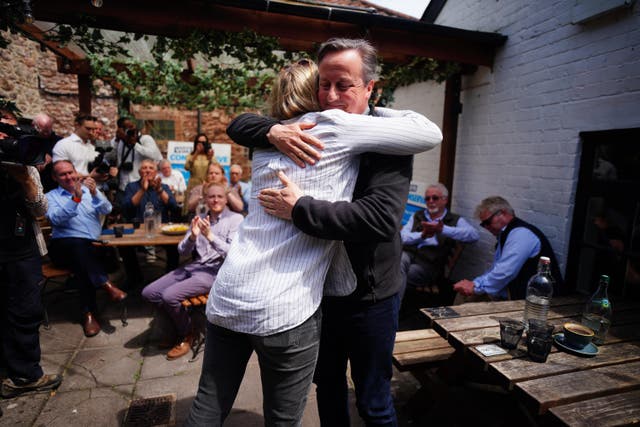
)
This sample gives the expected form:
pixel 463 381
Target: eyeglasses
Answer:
pixel 487 221
pixel 434 198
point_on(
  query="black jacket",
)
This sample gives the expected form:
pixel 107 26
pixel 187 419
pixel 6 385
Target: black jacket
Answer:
pixel 369 225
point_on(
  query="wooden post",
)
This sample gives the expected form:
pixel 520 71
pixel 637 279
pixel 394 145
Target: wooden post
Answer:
pixel 452 108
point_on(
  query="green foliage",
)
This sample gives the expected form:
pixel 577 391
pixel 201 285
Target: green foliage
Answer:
pixel 205 70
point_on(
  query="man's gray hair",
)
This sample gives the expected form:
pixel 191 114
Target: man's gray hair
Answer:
pixel 366 50
pixel 492 205
pixel 162 162
pixel 441 188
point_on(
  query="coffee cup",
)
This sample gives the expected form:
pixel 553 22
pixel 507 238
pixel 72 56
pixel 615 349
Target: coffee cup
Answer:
pixel 577 336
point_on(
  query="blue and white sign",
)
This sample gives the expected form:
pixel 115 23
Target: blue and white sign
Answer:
pixel 177 152
pixel 415 200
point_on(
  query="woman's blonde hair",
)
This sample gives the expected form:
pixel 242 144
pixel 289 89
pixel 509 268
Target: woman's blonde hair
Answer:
pixel 295 90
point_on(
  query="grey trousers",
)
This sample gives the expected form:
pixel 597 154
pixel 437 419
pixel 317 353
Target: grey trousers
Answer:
pixel 287 362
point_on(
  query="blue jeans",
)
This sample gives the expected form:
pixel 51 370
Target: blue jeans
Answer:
pixel 286 360
pixel 363 333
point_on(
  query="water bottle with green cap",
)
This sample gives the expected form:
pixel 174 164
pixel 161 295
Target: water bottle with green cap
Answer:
pixel 597 313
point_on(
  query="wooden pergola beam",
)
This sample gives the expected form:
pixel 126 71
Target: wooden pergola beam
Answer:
pixel 297 26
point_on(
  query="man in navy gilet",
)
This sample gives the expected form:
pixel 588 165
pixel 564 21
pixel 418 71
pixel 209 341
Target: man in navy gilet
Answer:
pixel 429 237
pixel 518 249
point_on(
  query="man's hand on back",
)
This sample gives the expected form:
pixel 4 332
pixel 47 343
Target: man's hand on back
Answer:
pixel 292 141
pixel 280 201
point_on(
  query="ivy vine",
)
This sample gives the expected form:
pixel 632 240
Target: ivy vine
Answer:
pixel 207 70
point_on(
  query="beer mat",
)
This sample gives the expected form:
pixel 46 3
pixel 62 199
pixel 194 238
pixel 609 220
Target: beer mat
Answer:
pixel 488 350
pixel 110 231
pixel 442 312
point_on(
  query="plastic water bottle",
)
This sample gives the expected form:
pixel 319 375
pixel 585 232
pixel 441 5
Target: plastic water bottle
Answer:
pixel 149 219
pixel 597 313
pixel 539 292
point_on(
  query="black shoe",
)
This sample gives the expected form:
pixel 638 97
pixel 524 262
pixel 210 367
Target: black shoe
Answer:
pixel 45 383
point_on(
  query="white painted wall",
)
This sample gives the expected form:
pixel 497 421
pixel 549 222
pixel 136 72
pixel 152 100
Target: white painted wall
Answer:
pixel 519 131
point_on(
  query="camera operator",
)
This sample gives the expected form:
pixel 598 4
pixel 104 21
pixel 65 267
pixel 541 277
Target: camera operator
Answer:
pixel 21 250
pixel 132 149
pixel 78 149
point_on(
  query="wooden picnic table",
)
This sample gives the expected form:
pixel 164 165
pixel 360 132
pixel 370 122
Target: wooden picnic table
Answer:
pixel 568 388
pixel 139 238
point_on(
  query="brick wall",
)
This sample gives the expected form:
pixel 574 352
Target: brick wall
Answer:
pixel 29 77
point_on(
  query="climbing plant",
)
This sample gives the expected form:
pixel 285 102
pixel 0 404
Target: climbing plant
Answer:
pixel 205 69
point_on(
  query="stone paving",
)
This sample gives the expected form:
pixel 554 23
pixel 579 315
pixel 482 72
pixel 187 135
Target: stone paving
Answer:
pixel 103 374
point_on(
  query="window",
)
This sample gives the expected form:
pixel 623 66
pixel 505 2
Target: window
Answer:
pixel 158 129
pixel 605 237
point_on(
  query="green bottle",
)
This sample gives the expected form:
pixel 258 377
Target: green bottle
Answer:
pixel 597 313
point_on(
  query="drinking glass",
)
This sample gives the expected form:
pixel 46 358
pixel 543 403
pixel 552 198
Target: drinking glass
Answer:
pixel 510 332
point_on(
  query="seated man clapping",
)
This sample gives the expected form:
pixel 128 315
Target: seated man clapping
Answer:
pixel 210 236
pixel 74 213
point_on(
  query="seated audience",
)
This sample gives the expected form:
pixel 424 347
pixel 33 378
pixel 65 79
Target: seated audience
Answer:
pixel 148 188
pixel 428 239
pixel 210 238
pixel 518 249
pixel 215 173
pixel 74 213
pixel 171 177
pixel 241 188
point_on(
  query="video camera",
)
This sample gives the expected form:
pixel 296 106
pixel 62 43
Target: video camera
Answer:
pixel 100 163
pixel 21 146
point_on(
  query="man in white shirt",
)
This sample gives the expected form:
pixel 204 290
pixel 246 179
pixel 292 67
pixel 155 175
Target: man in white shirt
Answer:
pixel 131 150
pixel 429 237
pixel 77 147
pixel 171 177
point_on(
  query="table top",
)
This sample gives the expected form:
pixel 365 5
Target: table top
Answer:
pixel 566 379
pixel 139 238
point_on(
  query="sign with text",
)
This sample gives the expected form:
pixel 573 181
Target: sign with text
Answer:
pixel 415 200
pixel 177 152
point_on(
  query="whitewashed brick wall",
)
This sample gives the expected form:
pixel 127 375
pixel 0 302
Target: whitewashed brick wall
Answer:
pixel 519 131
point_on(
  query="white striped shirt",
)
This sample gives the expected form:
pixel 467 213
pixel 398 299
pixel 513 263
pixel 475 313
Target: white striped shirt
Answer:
pixel 273 277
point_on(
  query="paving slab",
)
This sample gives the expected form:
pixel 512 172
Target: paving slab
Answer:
pixel 96 407
pixel 22 411
pixel 102 368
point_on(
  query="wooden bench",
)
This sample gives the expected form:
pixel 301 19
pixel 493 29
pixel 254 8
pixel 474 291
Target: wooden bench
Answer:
pixel 420 349
pixel 197 305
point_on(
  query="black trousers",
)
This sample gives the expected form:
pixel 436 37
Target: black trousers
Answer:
pixel 83 259
pixel 21 315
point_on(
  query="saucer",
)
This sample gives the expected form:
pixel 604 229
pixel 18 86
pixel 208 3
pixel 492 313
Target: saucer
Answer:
pixel 589 350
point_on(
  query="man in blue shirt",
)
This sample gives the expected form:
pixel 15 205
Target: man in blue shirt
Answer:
pixel 148 189
pixel 429 237
pixel 518 249
pixel 74 213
